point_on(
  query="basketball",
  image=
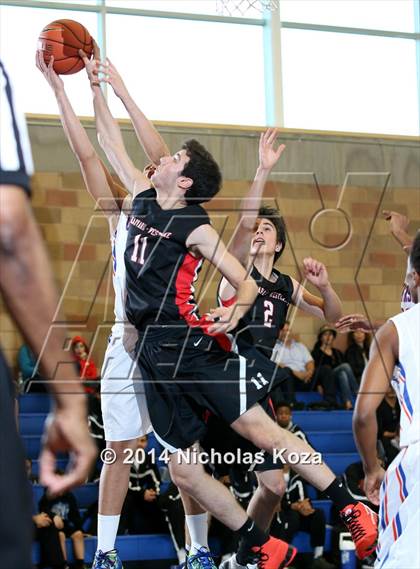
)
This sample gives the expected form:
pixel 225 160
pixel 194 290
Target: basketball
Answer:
pixel 63 39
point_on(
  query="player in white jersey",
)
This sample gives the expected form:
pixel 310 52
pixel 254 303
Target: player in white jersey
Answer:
pixel 124 408
pixel 398 489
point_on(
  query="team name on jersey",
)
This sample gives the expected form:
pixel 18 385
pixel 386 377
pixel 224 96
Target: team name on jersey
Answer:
pixel 277 295
pixel 148 229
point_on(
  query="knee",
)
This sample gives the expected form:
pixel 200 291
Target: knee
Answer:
pixel 77 535
pixel 186 477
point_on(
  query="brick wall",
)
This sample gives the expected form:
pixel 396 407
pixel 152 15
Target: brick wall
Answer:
pixel 71 228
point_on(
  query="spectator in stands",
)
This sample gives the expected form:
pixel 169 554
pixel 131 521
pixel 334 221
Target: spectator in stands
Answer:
pixel 285 420
pixel 45 533
pixel 357 353
pixel 141 512
pixel 64 512
pixel 87 368
pixel 298 514
pixel 287 352
pixel 331 368
pixel 32 380
pixel 388 417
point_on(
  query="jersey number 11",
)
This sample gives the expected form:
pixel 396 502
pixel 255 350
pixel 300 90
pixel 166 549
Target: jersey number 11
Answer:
pixel 139 243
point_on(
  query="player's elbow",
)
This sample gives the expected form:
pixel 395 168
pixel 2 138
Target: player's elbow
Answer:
pixel 363 416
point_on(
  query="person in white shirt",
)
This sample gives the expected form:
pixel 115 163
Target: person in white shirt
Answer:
pixel 287 352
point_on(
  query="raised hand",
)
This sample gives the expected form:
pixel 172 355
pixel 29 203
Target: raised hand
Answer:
pixel 92 65
pixel 111 76
pixel 54 80
pixel 315 272
pixel 353 322
pixel 397 221
pixel 269 156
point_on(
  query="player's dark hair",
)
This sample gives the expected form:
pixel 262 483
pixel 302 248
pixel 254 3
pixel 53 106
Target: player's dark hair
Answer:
pixel 203 171
pixel 276 219
pixel 415 253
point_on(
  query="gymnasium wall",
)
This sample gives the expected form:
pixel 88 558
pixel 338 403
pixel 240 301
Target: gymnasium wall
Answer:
pixel 369 173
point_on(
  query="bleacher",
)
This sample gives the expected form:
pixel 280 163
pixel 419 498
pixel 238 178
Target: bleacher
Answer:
pixel 328 431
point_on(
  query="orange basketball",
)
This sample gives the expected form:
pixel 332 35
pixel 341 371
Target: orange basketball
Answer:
pixel 63 39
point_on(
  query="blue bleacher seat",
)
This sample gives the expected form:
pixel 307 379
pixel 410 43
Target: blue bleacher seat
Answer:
pixel 323 420
pixel 341 441
pixel 338 462
pixel 34 403
pixel 31 423
pixel 308 396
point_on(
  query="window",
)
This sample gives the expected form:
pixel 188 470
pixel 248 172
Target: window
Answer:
pixel 397 15
pixel 349 82
pixel 180 70
pixel 19 51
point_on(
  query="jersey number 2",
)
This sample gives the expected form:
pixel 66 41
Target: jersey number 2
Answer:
pixel 136 256
pixel 268 313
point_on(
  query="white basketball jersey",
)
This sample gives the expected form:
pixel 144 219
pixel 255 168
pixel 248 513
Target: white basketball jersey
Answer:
pixel 406 381
pixel 118 242
pixel 406 300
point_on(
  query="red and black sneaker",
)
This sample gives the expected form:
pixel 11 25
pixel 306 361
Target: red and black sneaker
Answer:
pixel 274 554
pixel 362 523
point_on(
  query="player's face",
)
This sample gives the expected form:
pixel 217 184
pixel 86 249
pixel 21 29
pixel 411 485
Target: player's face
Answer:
pixel 264 241
pixel 169 169
pixel 283 416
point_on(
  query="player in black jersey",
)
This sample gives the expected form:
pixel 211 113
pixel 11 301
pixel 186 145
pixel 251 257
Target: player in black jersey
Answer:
pixel 258 242
pixel 182 356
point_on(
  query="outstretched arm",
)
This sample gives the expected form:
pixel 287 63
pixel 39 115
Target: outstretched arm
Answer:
pixel 109 134
pixel 98 181
pixel 398 224
pixel 328 305
pixel 206 242
pixel 153 144
pixel 375 383
pixel 240 244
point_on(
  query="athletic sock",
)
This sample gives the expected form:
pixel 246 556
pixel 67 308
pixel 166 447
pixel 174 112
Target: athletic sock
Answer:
pixel 107 532
pixel 252 536
pixel 198 528
pixel 339 495
pixel 318 551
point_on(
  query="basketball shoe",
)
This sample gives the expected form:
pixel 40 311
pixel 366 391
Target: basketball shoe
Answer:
pixel 362 524
pixel 274 554
pixel 107 560
pixel 203 559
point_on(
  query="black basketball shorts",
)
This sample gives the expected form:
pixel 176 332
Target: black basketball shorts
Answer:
pixel 187 373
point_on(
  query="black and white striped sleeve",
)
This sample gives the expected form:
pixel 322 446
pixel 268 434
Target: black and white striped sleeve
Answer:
pixel 15 151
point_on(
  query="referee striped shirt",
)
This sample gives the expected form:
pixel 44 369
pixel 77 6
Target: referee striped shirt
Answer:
pixel 15 152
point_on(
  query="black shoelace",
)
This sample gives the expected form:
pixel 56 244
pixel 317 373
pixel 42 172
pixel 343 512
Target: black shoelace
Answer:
pixel 355 527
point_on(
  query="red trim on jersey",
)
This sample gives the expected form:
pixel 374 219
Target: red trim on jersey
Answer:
pixel 228 302
pixel 185 300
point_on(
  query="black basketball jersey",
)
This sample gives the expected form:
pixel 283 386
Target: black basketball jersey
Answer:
pixel 261 325
pixel 160 271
